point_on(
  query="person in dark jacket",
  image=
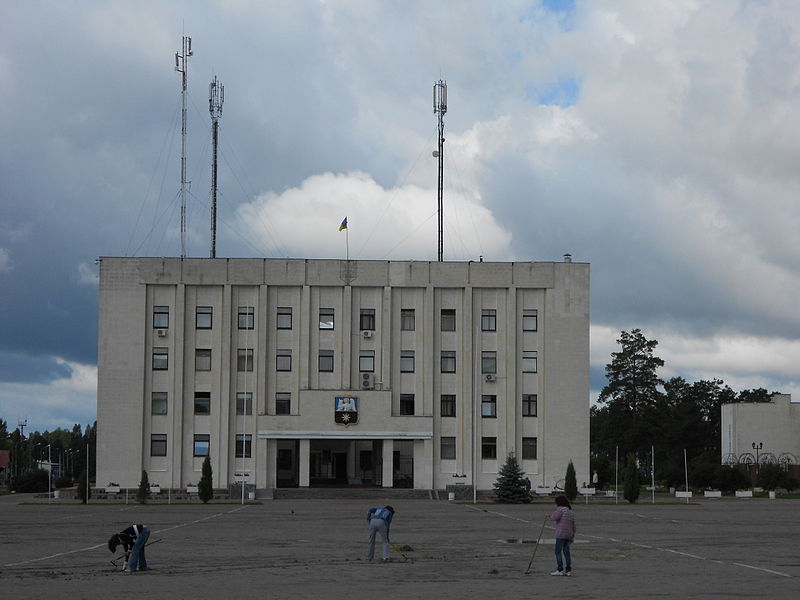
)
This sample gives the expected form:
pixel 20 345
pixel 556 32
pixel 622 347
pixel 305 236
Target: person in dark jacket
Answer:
pixel 379 519
pixel 133 540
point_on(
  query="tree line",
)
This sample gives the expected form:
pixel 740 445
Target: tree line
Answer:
pixel 69 453
pixel 638 412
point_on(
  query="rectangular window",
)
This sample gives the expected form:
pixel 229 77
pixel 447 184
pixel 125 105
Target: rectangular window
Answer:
pixel 247 317
pixel 244 403
pixel 202 403
pixel 529 448
pixel 488 406
pixel 488 319
pixel 406 361
pixel 203 317
pixel 202 444
pixel 160 359
pixel 202 359
pixel 158 406
pixel 283 403
pixel 244 359
pixel 407 319
pixel 448 319
pixel 158 444
pixel 530 319
pixel 244 445
pixel 448 361
pixel 406 404
pixel 367 319
pixel 448 448
pixel 489 447
pixel 326 318
pixel 529 405
pixel 366 361
pixel 447 404
pixel 161 317
pixel 488 361
pixel 529 361
pixel 284 317
pixel 326 361
pixel 283 360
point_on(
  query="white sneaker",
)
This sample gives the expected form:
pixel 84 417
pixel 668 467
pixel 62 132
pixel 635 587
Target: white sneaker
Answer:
pixel 568 573
pixel 557 573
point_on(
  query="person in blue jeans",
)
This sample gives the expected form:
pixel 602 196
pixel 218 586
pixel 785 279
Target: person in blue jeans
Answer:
pixel 379 519
pixel 564 519
pixel 133 540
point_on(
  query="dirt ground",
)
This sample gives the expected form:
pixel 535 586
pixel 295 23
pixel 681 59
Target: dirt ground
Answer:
pixel 316 548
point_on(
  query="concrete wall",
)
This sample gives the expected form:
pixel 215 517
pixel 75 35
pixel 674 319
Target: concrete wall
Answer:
pixel 774 424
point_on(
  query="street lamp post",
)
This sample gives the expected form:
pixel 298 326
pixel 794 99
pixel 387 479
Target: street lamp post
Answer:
pixel 49 475
pixel 757 447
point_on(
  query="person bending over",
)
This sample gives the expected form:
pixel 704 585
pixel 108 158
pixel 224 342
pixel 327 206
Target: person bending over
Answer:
pixel 133 540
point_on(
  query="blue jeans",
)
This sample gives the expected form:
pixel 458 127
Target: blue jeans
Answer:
pixel 137 559
pixel 562 545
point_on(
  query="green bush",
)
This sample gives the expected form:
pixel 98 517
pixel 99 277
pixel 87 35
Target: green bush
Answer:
pixel 62 482
pixel 34 481
pixel 510 485
pixel 570 483
pixel 143 493
pixel 631 475
pixel 205 487
pixel 729 479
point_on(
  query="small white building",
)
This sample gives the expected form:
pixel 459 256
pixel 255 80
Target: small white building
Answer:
pixel 767 432
pixel 304 373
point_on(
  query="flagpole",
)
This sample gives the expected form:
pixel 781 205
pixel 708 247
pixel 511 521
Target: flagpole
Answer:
pixel 347 242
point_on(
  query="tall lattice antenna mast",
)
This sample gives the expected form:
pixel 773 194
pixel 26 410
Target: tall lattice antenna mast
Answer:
pixel 439 108
pixel 216 96
pixel 182 67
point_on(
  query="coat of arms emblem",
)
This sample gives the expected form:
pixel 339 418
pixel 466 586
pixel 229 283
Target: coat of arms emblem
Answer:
pixel 345 410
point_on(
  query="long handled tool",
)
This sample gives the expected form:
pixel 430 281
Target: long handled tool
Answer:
pixel 125 554
pixel 536 547
pixel 396 549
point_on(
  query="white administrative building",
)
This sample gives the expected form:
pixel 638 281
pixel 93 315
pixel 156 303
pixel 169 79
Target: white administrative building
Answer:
pixel 307 373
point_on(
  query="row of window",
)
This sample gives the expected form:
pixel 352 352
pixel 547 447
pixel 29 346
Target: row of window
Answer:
pixel 447 448
pixel 366 360
pixel 202 445
pixel 244 446
pixel 283 404
pixel 283 318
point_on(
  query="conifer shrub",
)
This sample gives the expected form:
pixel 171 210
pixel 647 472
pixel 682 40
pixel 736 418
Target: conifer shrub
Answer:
pixel 631 475
pixel 143 493
pixel 205 487
pixel 570 483
pixel 510 486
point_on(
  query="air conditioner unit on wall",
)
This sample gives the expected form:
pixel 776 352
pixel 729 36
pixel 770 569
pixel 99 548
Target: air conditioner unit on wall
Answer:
pixel 491 377
pixel 161 332
pixel 367 381
pixel 367 334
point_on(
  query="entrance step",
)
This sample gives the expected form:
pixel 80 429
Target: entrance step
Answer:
pixel 355 493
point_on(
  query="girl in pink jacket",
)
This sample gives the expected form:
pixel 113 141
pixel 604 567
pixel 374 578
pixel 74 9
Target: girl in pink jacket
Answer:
pixel 564 519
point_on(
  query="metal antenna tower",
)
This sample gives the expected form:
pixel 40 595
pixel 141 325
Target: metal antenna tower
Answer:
pixel 182 67
pixel 216 96
pixel 22 424
pixel 439 108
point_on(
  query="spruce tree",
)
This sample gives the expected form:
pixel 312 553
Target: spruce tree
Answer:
pixel 510 485
pixel 205 488
pixel 143 493
pixel 570 483
pixel 631 474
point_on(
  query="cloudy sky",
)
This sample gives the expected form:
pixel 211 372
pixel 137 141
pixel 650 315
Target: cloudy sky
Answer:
pixel 657 140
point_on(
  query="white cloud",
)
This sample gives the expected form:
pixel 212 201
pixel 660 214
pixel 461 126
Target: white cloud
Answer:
pixel 60 403
pixel 383 223
pixel 87 273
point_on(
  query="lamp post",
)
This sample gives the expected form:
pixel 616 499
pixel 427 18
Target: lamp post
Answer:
pixel 49 474
pixel 757 447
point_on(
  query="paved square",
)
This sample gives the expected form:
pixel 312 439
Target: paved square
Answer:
pixel 316 548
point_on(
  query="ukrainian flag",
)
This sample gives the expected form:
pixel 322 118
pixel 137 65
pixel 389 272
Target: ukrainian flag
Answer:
pixel 343 225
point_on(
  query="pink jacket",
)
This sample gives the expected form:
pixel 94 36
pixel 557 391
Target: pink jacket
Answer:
pixel 565 523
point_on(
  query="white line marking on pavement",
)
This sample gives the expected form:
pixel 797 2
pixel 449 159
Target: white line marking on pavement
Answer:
pixel 33 560
pixel 762 569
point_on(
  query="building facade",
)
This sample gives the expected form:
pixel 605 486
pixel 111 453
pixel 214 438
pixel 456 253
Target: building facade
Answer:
pixel 763 432
pixel 292 372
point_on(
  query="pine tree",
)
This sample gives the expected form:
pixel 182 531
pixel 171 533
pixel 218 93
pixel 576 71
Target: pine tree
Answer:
pixel 510 486
pixel 570 483
pixel 143 493
pixel 205 488
pixel 631 474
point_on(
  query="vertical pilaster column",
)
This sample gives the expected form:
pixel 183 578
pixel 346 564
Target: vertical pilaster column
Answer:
pixel 388 463
pixel 305 462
